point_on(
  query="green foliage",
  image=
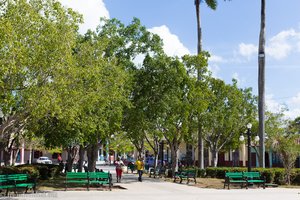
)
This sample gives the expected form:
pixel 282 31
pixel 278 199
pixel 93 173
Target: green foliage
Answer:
pixel 212 4
pixel 40 171
pixel 288 147
pixel 228 112
pixel 29 169
pixel 9 170
pixel 294 126
pixel 36 41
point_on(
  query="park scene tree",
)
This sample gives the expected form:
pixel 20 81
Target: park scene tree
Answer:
pixel 78 92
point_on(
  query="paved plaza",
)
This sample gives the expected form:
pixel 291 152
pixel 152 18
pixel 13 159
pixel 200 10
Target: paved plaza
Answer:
pixel 157 189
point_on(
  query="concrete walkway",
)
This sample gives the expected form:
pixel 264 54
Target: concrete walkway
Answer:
pixel 155 189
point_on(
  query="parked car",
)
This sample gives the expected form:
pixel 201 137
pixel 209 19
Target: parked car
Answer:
pixel 44 160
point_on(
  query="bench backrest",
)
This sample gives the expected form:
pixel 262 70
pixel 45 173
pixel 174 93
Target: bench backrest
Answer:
pixel 234 174
pixel 191 171
pixel 76 175
pixel 17 177
pixel 103 175
pixel 3 178
pixel 251 174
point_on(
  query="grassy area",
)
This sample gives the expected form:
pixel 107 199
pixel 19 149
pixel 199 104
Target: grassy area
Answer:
pixel 52 184
pixel 210 183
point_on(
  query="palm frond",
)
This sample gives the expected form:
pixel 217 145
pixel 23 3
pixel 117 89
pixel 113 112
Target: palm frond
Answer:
pixel 212 4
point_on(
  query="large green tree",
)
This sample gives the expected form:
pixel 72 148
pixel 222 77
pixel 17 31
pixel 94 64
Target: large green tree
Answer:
pixel 166 103
pixel 229 109
pixel 36 39
pixel 99 84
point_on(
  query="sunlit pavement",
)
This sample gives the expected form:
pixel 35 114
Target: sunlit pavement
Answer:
pixel 155 189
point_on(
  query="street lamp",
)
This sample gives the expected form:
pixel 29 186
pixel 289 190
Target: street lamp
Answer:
pixel 249 126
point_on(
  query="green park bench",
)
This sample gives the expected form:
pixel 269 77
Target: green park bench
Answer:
pixel 76 178
pixel 100 178
pixel 158 172
pixel 87 179
pixel 185 175
pixel 15 181
pixel 255 178
pixel 235 178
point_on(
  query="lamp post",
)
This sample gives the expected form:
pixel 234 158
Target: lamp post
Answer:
pixel 249 126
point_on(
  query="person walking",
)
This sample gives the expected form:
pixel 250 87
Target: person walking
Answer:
pixel 140 167
pixel 119 164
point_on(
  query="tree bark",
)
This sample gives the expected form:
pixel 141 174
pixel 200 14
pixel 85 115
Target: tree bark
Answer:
pixel 72 152
pixel 92 154
pixel 6 157
pixel 200 148
pixel 261 86
pixel 199 49
pixel 174 163
pixel 214 153
pixel 81 158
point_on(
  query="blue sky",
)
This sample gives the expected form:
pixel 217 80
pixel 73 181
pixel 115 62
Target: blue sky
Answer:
pixel 230 34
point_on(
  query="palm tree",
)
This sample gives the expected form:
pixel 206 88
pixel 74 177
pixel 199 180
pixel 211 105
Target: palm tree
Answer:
pixel 213 5
pixel 261 84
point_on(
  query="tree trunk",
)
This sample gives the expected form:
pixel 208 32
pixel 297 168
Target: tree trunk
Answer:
pixel 14 156
pixel 261 86
pixel 92 154
pixel 174 158
pixel 199 31
pixel 81 158
pixel 155 160
pixel 214 153
pixel 200 148
pixel 199 49
pixel 72 152
pixel 6 157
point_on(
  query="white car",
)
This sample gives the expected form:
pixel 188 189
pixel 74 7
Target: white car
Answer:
pixel 44 160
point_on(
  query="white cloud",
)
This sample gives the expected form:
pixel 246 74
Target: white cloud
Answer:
pixel 237 77
pixel 298 46
pixel 294 107
pixel 295 100
pixel 292 104
pixel 216 59
pixel 247 50
pixel 278 47
pixel 91 10
pixel 281 44
pixel 214 69
pixel 272 105
pixel 293 113
pixel 172 44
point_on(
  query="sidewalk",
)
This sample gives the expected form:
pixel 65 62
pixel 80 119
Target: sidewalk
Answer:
pixel 157 189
